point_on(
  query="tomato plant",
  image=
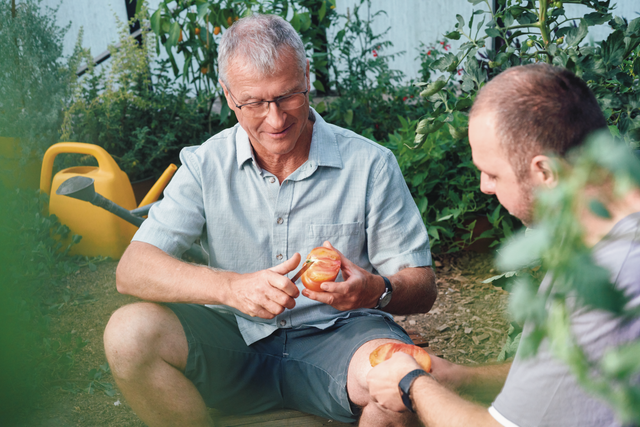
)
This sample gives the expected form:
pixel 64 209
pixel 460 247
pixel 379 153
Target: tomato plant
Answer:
pixel 385 351
pixel 325 268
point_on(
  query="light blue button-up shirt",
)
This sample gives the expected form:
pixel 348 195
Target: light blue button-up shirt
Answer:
pixel 350 192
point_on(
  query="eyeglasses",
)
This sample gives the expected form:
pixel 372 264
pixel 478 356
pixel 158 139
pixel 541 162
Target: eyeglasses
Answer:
pixel 261 108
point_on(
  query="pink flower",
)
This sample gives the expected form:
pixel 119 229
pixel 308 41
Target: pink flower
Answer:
pixel 429 53
pixel 375 54
pixel 460 71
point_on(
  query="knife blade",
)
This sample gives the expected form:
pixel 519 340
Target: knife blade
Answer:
pixel 304 268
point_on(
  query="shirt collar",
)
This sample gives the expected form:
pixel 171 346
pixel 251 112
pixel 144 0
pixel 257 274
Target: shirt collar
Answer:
pixel 323 151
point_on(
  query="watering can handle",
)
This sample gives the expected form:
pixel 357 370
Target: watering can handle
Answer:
pixel 161 183
pixel 105 161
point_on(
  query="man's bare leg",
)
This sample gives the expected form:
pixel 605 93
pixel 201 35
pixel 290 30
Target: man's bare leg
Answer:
pixel 372 414
pixel 147 351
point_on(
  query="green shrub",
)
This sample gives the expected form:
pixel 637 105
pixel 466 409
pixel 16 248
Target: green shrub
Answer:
pixel 33 265
pixel 141 117
pixel 35 79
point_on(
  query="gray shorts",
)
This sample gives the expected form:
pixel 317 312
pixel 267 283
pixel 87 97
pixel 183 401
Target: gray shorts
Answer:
pixel 303 369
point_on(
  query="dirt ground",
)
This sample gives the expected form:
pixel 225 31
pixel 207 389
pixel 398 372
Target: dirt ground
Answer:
pixel 466 325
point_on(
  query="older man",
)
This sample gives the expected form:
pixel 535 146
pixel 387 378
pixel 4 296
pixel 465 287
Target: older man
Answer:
pixel 519 122
pixel 239 336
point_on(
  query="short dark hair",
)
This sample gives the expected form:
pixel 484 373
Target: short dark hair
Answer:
pixel 539 109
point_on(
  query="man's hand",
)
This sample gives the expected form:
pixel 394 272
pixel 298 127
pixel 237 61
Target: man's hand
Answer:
pixel 265 293
pixel 360 288
pixel 383 380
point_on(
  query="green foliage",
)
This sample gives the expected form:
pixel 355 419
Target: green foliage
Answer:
pixel 445 185
pixel 369 94
pixel 33 267
pixel 140 117
pixel 533 31
pixel 609 170
pixel 35 79
pixel 194 27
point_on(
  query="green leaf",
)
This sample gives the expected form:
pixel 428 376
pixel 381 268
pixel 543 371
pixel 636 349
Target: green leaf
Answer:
pixel 576 35
pixel 92 266
pixel 322 12
pixel 634 28
pixel 598 208
pixel 475 2
pixel 523 250
pixel 174 35
pixel 203 9
pixel 155 21
pixel 295 22
pixel 492 32
pixel 423 204
pixel 508 19
pixel 460 22
pixel 596 18
pixel 321 107
pixel 463 104
pixel 224 110
pixel 433 88
pixel 348 117
pixel 446 62
pixel 318 85
pixel 138 6
pixel 453 35
pixel 622 362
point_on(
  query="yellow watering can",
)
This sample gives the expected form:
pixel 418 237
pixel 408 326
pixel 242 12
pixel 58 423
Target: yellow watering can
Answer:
pixel 103 233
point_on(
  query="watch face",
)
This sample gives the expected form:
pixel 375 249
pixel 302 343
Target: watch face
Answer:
pixel 386 299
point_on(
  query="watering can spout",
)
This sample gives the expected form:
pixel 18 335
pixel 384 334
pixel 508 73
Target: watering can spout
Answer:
pixel 81 187
pixel 78 187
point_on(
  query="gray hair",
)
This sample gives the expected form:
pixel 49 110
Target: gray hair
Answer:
pixel 260 39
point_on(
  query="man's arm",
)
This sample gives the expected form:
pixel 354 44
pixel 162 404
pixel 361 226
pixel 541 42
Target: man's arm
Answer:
pixel 414 289
pixel 435 404
pixel 479 383
pixel 149 273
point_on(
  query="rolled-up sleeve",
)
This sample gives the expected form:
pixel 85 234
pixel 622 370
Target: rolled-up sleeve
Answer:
pixel 397 237
pixel 178 220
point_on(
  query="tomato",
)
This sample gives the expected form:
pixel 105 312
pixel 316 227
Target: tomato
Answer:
pixel 325 268
pixel 385 351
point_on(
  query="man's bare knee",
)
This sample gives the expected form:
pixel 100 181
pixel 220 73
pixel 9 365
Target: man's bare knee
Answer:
pixel 142 334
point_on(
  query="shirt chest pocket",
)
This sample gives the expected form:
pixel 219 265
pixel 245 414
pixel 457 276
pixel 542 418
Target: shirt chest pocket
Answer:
pixel 348 238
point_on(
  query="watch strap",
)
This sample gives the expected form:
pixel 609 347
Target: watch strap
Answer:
pixel 405 386
pixel 388 289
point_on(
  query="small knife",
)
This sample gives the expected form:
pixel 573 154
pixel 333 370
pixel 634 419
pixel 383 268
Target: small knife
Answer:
pixel 304 268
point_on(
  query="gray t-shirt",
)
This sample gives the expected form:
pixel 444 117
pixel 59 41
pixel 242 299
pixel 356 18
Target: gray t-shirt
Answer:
pixel 540 391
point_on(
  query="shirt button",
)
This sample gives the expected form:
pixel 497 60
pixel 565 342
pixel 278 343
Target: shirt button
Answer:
pixel 272 180
pixel 279 256
pixel 280 221
pixel 283 323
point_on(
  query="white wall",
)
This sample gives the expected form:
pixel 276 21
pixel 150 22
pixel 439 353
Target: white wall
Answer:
pixel 415 21
pixel 411 22
pixel 96 17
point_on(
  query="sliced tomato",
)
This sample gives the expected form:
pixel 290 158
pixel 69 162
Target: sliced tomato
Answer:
pixel 325 268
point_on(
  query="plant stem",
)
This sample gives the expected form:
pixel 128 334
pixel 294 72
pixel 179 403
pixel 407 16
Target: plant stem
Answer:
pixel 544 29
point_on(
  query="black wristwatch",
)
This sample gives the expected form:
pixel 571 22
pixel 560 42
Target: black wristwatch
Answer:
pixel 385 298
pixel 405 386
